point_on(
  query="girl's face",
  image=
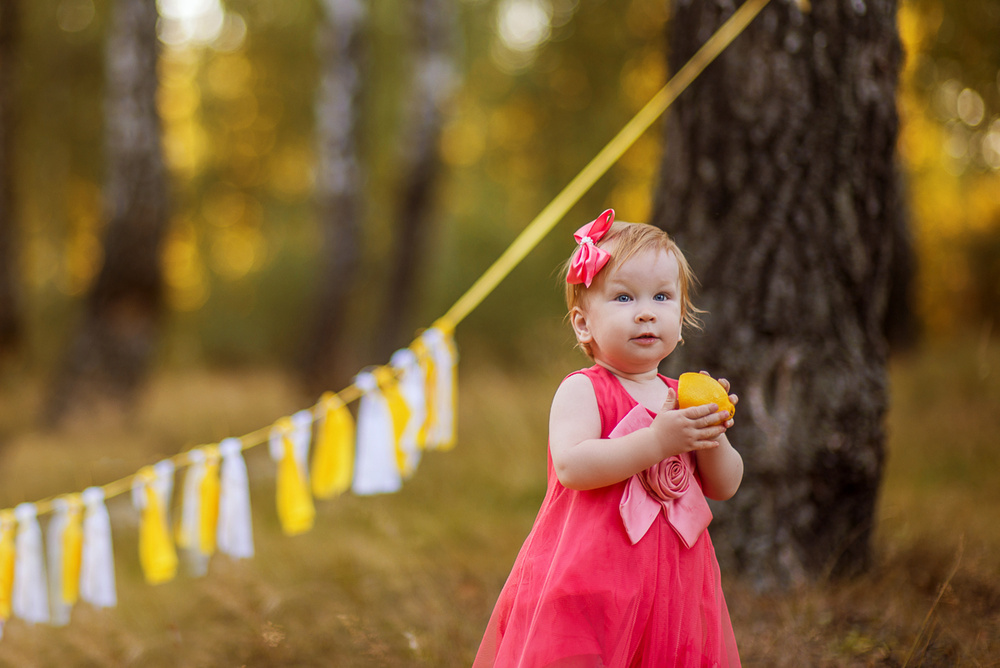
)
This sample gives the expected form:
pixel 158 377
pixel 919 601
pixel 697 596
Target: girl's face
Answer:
pixel 632 317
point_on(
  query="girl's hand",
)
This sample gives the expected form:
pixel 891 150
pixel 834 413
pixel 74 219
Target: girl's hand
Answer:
pixel 694 428
pixel 732 397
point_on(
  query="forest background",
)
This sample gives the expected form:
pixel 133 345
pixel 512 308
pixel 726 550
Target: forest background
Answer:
pixel 539 87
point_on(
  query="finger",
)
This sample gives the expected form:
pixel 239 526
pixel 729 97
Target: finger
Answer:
pixel 734 398
pixel 670 403
pixel 725 384
pixel 698 412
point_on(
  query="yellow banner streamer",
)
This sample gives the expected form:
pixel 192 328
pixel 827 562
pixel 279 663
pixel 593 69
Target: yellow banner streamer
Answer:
pixel 7 555
pixel 400 412
pixel 296 510
pixel 333 460
pixel 72 550
pixel 208 490
pixel 157 554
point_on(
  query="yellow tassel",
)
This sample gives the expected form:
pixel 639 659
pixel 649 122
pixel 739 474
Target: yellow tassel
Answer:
pixel 295 505
pixel 72 550
pixel 157 553
pixel 426 361
pixel 7 555
pixel 399 411
pixel 333 460
pixel 209 505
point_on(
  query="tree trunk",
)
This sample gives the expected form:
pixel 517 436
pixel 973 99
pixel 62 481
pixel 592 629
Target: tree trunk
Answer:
pixel 432 83
pixel 338 185
pixel 780 183
pixel 10 314
pixel 113 345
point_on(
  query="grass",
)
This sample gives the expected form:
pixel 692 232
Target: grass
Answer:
pixel 409 579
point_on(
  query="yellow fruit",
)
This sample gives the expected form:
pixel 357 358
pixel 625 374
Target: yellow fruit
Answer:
pixel 697 389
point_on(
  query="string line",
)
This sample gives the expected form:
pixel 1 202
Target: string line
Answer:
pixel 542 224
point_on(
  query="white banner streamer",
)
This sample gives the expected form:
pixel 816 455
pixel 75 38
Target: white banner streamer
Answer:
pixel 97 566
pixel 375 469
pixel 235 522
pixel 30 597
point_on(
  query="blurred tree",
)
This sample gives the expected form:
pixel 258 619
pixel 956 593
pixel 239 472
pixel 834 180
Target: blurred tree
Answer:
pixel 10 316
pixel 432 83
pixel 112 346
pixel 338 188
pixel 779 180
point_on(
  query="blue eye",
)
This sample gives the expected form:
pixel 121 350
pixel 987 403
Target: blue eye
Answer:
pixel 623 298
pixel 662 297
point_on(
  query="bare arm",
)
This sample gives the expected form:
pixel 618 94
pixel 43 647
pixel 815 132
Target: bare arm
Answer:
pixel 721 468
pixel 583 460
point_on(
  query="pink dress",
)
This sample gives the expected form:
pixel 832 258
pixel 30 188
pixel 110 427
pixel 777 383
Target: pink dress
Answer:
pixel 581 594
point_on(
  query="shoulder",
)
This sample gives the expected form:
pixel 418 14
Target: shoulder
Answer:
pixel 575 386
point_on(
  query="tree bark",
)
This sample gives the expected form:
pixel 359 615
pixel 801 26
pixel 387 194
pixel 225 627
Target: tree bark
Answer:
pixel 10 310
pixel 780 183
pixel 338 185
pixel 432 83
pixel 112 347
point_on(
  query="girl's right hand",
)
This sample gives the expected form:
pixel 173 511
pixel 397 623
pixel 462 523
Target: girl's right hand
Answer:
pixel 685 430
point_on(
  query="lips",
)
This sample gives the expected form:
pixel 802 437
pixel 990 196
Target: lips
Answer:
pixel 646 338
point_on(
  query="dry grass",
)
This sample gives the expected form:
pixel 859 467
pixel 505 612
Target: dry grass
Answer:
pixel 409 579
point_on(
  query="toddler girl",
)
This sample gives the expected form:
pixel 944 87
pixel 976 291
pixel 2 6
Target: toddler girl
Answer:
pixel 618 569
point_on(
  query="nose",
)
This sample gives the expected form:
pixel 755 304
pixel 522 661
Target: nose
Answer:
pixel 645 315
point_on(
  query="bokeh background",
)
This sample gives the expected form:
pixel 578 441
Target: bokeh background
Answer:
pixel 539 87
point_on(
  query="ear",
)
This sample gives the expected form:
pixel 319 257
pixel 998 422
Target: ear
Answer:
pixel 581 327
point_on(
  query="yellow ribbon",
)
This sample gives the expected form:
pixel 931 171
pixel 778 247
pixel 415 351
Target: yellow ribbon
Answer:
pixel 296 511
pixel 72 549
pixel 426 362
pixel 400 412
pixel 157 553
pixel 333 459
pixel 208 507
pixel 7 555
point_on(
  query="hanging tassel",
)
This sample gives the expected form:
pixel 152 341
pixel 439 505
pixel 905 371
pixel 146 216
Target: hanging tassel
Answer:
pixel 8 526
pixel 65 548
pixel 235 531
pixel 209 492
pixel 413 388
pixel 399 411
pixel 296 511
pixel 375 469
pixel 157 554
pixel 442 385
pixel 30 597
pixel 333 459
pixel 189 525
pixel 97 561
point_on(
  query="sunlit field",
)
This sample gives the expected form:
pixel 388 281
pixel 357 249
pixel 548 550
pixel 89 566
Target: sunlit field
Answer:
pixel 409 579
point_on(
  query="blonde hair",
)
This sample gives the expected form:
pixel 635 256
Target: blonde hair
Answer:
pixel 623 241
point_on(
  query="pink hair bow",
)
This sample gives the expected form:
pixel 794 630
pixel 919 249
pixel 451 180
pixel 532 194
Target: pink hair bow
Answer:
pixel 588 258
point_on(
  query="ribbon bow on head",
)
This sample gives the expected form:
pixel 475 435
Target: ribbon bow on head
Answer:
pixel 588 258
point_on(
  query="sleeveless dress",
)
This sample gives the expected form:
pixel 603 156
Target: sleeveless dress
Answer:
pixel 581 594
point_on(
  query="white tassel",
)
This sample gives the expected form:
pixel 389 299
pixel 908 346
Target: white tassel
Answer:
pixel 413 387
pixel 188 535
pixel 60 609
pixel 375 469
pixel 235 522
pixel 97 566
pixel 30 598
pixel 441 430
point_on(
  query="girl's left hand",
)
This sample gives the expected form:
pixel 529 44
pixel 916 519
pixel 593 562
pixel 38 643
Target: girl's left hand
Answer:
pixel 732 397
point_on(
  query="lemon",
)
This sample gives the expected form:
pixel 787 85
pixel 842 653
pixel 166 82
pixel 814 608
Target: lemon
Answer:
pixel 697 389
